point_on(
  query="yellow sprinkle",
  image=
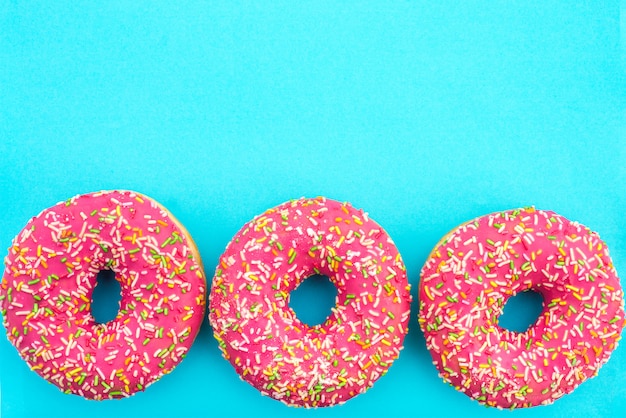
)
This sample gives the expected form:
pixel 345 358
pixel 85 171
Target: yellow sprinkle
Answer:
pixel 572 288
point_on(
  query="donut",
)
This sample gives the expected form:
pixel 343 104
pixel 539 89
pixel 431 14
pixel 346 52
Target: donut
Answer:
pixel 261 336
pixel 49 277
pixel 476 268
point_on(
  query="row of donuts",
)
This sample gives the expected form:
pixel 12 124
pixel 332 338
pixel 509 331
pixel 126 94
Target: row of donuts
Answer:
pixel 52 265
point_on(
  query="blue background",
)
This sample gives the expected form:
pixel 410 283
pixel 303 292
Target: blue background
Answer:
pixel 425 114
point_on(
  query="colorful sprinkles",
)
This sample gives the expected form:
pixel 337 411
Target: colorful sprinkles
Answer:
pixel 49 277
pixel 467 280
pixel 269 347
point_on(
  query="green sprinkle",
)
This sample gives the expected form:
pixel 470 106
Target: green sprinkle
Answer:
pixel 614 320
pixel 279 245
pixel 146 341
pixel 134 250
pixel 292 257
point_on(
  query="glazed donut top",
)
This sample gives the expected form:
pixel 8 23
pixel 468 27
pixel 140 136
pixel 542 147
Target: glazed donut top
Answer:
pixel 261 336
pixel 50 275
pixel 478 266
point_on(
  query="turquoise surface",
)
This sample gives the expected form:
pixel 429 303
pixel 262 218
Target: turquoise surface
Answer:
pixel 424 114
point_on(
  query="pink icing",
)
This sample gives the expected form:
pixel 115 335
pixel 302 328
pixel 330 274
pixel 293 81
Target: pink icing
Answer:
pixel 470 275
pixel 48 282
pixel 261 336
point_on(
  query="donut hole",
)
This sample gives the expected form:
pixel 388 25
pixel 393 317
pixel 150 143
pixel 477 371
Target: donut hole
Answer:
pixel 521 311
pixel 106 296
pixel 313 299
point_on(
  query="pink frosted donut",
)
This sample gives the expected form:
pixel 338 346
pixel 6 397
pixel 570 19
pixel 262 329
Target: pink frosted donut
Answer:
pixel 50 275
pixel 474 270
pixel 266 343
